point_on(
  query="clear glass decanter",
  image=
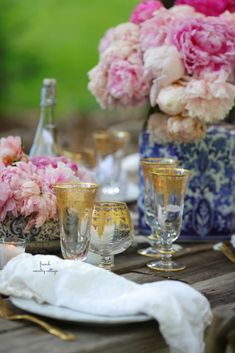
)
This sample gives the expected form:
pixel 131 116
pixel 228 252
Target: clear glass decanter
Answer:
pixel 44 143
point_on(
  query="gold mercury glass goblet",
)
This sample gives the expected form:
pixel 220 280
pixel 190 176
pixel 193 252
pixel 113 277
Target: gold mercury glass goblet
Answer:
pixel 111 231
pixel 169 189
pixel 150 165
pixel 75 202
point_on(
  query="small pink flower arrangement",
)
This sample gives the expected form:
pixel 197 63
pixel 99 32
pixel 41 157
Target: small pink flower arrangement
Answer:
pixel 27 185
pixel 181 60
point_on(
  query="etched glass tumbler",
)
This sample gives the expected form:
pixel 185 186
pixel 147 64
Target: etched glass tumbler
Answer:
pixel 111 231
pixel 169 189
pixel 150 165
pixel 75 202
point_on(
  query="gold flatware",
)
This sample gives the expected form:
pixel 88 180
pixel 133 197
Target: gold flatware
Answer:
pixel 227 251
pixel 7 312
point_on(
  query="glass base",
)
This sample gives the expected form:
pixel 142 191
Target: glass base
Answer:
pixel 166 267
pixel 150 251
pixel 106 262
pixel 175 247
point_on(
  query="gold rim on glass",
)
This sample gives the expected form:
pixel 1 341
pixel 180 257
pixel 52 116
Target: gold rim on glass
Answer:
pixel 159 160
pixel 77 185
pixel 175 172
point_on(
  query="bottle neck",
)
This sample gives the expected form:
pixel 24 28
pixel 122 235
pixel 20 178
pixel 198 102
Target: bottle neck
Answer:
pixel 47 115
pixel 48 102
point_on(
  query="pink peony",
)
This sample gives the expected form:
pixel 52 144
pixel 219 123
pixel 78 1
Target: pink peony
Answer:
pixel 128 32
pixel 10 150
pixel 229 18
pixel 145 11
pixel 7 203
pixel 157 125
pixel 125 82
pixel 61 174
pixel 163 66
pixel 210 98
pixel 184 129
pixel 205 45
pixel 41 162
pixel 154 32
pixel 184 11
pixel 171 99
pixel 209 7
pixel 118 79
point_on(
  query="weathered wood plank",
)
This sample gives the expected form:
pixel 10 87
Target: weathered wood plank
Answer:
pixel 144 338
pixel 210 272
pixel 199 267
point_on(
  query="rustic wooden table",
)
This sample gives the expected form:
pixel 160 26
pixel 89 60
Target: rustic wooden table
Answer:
pixel 210 272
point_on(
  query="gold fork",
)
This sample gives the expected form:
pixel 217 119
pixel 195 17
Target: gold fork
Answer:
pixel 7 312
pixel 227 252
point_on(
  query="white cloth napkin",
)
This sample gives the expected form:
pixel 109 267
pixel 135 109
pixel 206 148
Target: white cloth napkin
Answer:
pixel 181 311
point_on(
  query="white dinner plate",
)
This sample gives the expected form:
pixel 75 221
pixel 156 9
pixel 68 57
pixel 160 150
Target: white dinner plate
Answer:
pixel 60 313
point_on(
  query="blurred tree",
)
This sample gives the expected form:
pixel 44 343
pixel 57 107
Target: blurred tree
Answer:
pixel 53 38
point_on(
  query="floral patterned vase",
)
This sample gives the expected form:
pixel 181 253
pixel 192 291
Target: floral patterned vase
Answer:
pixel 43 240
pixel 209 211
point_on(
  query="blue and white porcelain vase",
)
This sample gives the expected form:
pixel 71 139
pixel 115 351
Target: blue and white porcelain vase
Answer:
pixel 209 212
pixel 43 240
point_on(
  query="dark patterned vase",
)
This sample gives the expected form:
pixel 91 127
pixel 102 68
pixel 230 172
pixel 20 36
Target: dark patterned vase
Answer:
pixel 209 211
pixel 43 240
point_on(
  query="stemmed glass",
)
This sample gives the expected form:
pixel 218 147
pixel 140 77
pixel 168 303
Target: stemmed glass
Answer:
pixel 111 231
pixel 150 165
pixel 169 189
pixel 75 202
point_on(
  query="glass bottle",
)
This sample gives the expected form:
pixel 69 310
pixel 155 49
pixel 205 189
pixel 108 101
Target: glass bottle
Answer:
pixel 44 143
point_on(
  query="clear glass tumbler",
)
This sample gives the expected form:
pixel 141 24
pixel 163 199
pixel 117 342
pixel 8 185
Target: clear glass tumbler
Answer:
pixel 150 165
pixel 111 231
pixel 110 147
pixel 9 248
pixel 75 202
pixel 169 190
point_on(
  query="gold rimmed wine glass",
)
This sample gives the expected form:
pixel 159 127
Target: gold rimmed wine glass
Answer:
pixel 75 202
pixel 150 165
pixel 169 190
pixel 111 231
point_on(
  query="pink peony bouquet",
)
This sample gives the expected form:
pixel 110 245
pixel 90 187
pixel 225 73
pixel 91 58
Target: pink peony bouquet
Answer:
pixel 27 185
pixel 181 60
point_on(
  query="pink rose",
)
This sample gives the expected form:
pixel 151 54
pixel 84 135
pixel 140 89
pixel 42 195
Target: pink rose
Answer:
pixel 145 11
pixel 209 7
pixel 10 150
pixel 205 44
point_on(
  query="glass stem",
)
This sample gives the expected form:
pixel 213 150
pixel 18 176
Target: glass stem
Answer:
pixel 106 262
pixel 155 242
pixel 166 253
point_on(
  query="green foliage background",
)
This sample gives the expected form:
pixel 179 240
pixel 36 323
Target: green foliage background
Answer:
pixel 52 38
